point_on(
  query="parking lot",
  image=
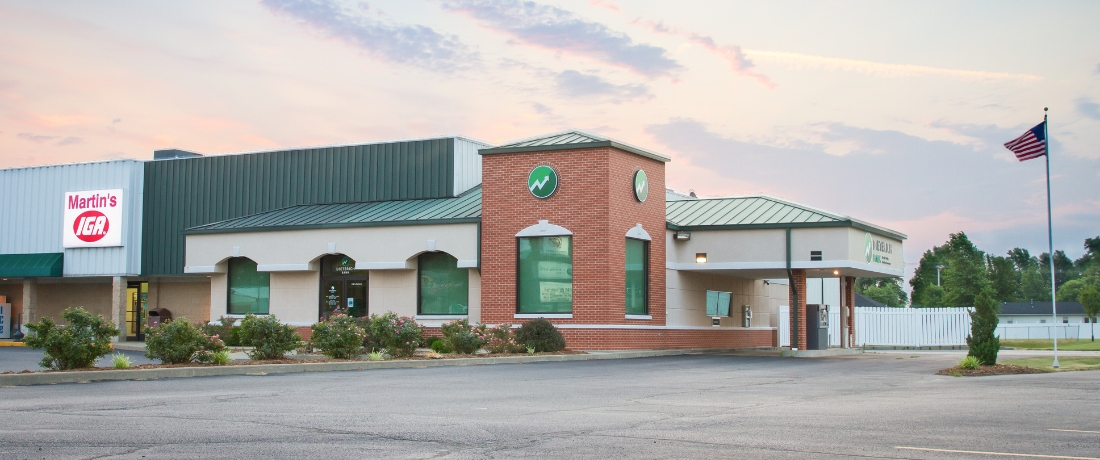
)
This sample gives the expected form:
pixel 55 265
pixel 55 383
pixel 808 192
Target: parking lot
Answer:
pixel 887 405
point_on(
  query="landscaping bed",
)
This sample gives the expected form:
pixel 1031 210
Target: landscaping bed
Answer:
pixel 996 369
pixel 419 356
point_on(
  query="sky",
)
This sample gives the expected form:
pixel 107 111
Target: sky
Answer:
pixel 893 113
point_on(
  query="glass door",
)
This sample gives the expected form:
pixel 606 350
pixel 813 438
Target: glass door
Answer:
pixel 343 288
pixel 137 296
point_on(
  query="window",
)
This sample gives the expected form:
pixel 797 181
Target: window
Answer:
pixel 637 271
pixel 444 288
pixel 545 275
pixel 249 290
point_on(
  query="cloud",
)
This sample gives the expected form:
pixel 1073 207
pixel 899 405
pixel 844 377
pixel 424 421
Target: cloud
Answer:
pixel 41 139
pixel 806 61
pixel 605 4
pixel 542 109
pixel 890 176
pixel 36 138
pixel 582 86
pixel 1088 108
pixel 1098 68
pixel 733 54
pixel 556 29
pixel 413 45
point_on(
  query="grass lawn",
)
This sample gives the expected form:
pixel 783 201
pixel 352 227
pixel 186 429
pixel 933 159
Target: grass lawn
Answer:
pixel 1067 363
pixel 1068 345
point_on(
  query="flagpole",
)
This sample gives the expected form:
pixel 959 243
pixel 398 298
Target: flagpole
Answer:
pixel 1050 242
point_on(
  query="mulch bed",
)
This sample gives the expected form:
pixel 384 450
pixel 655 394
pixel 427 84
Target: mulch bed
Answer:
pixel 996 369
pixel 311 359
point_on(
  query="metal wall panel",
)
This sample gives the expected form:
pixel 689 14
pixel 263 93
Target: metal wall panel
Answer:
pixel 467 164
pixel 33 206
pixel 184 193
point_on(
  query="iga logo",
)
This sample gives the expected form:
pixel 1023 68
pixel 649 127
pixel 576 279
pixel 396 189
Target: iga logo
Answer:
pixel 91 226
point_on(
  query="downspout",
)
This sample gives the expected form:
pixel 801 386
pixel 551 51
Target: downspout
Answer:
pixel 794 292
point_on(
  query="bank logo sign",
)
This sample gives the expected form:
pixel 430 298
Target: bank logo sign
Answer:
pixel 877 251
pixel 93 219
pixel 543 181
pixel 641 185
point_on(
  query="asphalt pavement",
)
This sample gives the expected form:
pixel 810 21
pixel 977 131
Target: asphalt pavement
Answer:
pixel 705 406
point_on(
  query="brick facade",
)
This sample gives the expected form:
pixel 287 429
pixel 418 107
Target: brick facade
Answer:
pixel 595 201
pixel 850 303
pixel 800 309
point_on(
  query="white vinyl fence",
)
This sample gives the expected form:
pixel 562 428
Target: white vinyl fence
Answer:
pixel 924 327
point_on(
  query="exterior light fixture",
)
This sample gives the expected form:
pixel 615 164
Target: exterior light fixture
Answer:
pixel 683 236
pixel 836 272
pixel 700 257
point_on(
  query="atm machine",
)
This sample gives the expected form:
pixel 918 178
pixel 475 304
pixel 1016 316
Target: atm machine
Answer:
pixel 817 327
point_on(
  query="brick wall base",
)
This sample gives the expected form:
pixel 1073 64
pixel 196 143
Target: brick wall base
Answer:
pixel 659 339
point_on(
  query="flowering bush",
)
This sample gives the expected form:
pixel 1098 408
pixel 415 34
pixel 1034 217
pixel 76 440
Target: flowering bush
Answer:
pixel 501 340
pixel 399 334
pixel 177 341
pixel 85 339
pixel 225 329
pixel 461 337
pixel 269 338
pixel 338 337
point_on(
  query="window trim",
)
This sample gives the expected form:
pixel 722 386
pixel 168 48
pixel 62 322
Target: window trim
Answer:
pixel 419 293
pixel 645 278
pixel 520 236
pixel 229 287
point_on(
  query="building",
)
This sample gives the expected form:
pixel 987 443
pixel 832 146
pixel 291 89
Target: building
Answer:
pixel 561 226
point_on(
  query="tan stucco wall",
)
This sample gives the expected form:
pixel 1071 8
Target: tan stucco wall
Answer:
pixel 686 297
pixel 475 295
pixel 55 297
pixel 183 297
pixel 295 297
pixel 366 245
pixel 393 290
pixel 729 246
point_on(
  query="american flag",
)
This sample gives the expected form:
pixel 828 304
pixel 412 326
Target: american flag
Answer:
pixel 1033 144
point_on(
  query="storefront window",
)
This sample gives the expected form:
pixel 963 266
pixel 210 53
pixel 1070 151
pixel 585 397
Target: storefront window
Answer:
pixel 545 278
pixel 444 288
pixel 637 264
pixel 343 288
pixel 249 290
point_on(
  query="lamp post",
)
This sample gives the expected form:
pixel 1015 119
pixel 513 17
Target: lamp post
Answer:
pixel 938 268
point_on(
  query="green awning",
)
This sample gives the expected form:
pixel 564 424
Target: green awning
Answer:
pixel 32 265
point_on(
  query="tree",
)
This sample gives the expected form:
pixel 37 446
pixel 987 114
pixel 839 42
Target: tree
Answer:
pixel 1003 278
pixel 1063 268
pixel 1033 285
pixel 1069 291
pixel 885 290
pixel 1090 300
pixel 924 279
pixel 965 275
pixel 983 341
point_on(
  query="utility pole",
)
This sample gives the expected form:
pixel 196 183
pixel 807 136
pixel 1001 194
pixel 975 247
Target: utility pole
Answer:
pixel 938 268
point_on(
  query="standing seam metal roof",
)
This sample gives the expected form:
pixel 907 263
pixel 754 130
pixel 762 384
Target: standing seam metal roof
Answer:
pixel 756 212
pixel 570 139
pixel 464 208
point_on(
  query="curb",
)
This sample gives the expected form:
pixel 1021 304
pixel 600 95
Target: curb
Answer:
pixel 822 353
pixel 12 344
pixel 51 378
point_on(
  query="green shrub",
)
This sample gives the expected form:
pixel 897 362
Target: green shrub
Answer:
pixel 398 334
pixel 225 330
pixel 376 356
pixel 120 361
pixel 269 338
pixel 462 337
pixel 983 341
pixel 371 339
pixel 502 340
pixel 338 337
pixel 541 335
pixel 85 339
pixel 177 341
pixel 429 342
pixel 969 362
pixel 439 346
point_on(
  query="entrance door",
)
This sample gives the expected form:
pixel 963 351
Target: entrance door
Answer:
pixel 343 289
pixel 137 295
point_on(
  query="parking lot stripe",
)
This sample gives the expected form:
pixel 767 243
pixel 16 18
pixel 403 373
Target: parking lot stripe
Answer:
pixel 1002 454
pixel 1073 431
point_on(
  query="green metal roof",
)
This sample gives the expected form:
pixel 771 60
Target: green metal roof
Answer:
pixel 756 212
pixel 570 139
pixel 464 208
pixel 32 265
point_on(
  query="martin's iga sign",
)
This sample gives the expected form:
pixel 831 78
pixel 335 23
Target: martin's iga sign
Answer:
pixel 93 219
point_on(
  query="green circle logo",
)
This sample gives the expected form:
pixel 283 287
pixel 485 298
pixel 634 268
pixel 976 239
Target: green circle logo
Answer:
pixel 543 181
pixel 641 185
pixel 867 248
